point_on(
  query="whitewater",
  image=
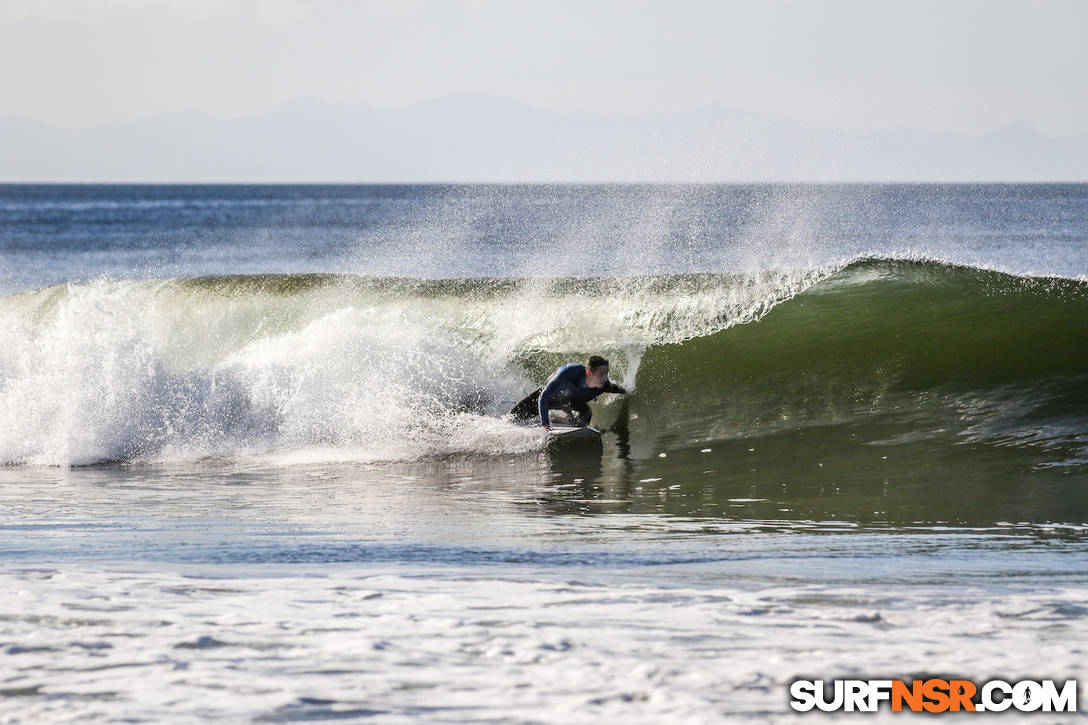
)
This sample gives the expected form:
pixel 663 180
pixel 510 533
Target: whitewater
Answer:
pixel 255 463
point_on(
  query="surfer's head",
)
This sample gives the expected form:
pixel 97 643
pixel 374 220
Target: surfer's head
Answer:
pixel 596 372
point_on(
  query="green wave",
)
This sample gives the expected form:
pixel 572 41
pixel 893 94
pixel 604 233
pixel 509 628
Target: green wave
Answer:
pixel 918 349
pixel 887 352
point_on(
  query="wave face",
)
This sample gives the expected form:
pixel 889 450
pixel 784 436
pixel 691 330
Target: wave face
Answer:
pixel 882 337
pixel 335 367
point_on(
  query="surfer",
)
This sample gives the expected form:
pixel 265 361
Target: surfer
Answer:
pixel 570 388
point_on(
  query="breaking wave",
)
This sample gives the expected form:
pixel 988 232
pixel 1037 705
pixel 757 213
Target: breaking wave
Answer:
pixel 364 368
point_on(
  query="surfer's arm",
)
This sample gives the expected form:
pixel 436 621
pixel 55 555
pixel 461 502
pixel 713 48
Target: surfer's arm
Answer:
pixel 546 398
pixel 611 387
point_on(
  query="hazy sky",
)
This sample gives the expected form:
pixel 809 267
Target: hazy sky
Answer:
pixel 966 65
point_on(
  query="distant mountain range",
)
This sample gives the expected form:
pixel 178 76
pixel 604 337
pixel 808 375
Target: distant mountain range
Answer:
pixel 474 138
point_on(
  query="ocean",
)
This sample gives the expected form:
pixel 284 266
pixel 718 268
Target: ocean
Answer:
pixel 254 465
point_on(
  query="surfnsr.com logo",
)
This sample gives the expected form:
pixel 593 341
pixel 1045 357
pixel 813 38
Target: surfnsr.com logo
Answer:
pixel 933 695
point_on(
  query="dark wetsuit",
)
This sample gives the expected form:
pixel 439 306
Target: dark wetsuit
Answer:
pixel 565 390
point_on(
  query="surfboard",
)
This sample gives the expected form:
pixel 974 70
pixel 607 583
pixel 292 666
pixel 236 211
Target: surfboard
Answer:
pixel 574 432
